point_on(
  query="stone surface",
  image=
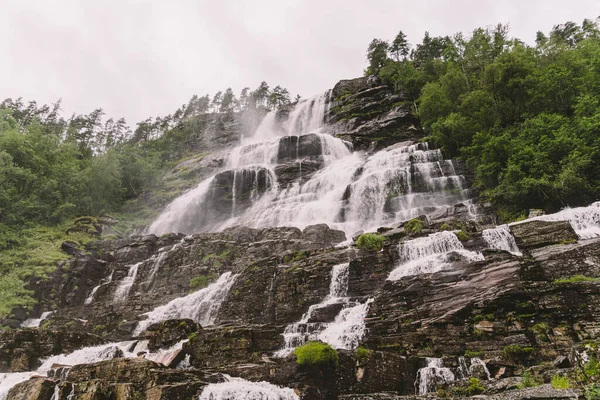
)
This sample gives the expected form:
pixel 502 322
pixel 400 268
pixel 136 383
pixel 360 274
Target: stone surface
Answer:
pixel 533 234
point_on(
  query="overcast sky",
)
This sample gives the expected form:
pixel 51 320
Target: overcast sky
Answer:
pixel 138 58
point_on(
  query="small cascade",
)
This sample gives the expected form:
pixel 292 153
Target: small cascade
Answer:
pixel 584 220
pixel 501 238
pixel 344 332
pixel 56 393
pixel 348 328
pixel 122 291
pixel 434 374
pixel 103 282
pixel 36 322
pixel 202 306
pixel 158 263
pixel 429 254
pixel 477 362
pixel 85 355
pixel 241 389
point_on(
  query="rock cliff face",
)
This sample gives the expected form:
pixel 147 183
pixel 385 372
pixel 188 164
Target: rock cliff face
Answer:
pixel 446 297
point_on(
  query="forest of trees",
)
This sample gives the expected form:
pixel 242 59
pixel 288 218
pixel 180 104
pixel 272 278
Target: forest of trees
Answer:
pixel 52 168
pixel 525 118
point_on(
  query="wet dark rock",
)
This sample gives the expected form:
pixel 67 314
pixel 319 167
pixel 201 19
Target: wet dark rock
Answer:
pixel 167 333
pixel 534 234
pixel 33 389
pixel 22 349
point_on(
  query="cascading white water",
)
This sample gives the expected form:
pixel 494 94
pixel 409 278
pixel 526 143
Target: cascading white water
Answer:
pixel 85 355
pixel 241 389
pixel 122 291
pixel 475 362
pixel 344 332
pixel 348 328
pixel 334 185
pixel 434 374
pixel 202 306
pixel 584 220
pixel 429 254
pixel 36 322
pixel 103 282
pixel 501 238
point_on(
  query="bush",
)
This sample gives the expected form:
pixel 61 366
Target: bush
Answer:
pixel 362 354
pixel 445 227
pixel 527 380
pixel 415 225
pixel 592 392
pixel 473 387
pixel 516 353
pixel 560 382
pixel 473 353
pixel 370 241
pixel 462 236
pixel 316 354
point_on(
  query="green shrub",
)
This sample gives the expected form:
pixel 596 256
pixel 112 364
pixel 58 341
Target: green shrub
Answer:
pixel 362 354
pixel 473 353
pixel 445 227
pixel 370 241
pixel 415 225
pixel 560 382
pixel 576 279
pixel 516 353
pixel 592 392
pixel 193 336
pixel 471 388
pixel 314 354
pixel 462 236
pixel 199 282
pixel 527 380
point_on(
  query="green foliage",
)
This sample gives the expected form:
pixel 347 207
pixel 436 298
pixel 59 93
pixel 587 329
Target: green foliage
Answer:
pixel 362 354
pixel 415 225
pixel 592 392
pixel 316 354
pixel 560 382
pixel 370 241
pixel 516 353
pixel 445 227
pixel 462 236
pixel 576 279
pixel 200 281
pixel 524 118
pixel 193 336
pixel 473 353
pixel 528 380
pixel 470 388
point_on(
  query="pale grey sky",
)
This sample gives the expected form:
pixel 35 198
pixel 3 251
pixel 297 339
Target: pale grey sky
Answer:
pixel 140 58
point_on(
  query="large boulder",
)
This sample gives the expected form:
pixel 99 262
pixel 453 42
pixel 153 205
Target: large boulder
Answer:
pixel 167 333
pixel 533 234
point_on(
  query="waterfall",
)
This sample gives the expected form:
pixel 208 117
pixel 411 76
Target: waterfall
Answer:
pixel 429 254
pixel 202 306
pixel 584 220
pixel 122 291
pixel 476 361
pixel 56 394
pixel 292 173
pixel 348 327
pixel 103 282
pixel 240 389
pixel 36 322
pixel 85 355
pixel 501 238
pixel 434 374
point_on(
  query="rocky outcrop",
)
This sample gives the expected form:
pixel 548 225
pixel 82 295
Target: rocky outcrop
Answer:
pixel 22 349
pixel 532 234
pixel 371 116
pixel 166 334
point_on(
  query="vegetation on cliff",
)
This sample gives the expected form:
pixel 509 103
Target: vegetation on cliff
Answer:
pixel 524 117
